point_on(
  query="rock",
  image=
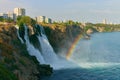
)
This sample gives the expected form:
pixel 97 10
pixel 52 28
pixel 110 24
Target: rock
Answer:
pixel 89 31
pixel 15 57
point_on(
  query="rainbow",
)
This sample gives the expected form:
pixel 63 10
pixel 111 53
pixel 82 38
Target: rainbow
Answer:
pixel 72 47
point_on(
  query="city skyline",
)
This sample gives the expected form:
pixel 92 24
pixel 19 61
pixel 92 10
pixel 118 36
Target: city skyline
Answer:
pixel 78 10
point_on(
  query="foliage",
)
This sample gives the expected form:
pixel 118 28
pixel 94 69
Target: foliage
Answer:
pixel 21 20
pixel 87 27
pixel 15 57
pixel 9 20
pixel 108 29
pixel 1 19
pixel 5 74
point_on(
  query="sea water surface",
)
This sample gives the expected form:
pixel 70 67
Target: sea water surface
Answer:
pixel 97 59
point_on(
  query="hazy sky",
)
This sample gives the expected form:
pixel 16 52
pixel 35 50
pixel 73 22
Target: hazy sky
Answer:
pixel 78 10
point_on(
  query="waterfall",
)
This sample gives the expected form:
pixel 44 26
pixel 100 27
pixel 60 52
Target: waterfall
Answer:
pixel 46 54
pixel 31 49
pixel 18 34
pixel 47 50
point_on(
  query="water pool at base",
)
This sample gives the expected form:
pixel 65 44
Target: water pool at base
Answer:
pixel 97 59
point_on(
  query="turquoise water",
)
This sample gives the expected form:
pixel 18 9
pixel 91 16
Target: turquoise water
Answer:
pixel 97 59
pixel 101 48
pixel 111 73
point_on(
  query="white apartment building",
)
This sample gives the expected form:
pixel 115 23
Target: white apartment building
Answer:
pixel 43 19
pixel 8 15
pixel 48 20
pixel 40 19
pixel 104 21
pixel 11 15
pixel 19 11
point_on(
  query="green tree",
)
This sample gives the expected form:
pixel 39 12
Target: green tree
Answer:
pixel 25 20
pixel 18 18
pixel 1 19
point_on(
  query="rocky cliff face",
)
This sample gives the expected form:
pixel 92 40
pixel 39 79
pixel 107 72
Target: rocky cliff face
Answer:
pixel 15 63
pixel 62 36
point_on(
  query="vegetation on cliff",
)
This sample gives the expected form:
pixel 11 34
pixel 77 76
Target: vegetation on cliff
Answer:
pixel 61 35
pixel 15 62
pixel 25 20
pixel 99 27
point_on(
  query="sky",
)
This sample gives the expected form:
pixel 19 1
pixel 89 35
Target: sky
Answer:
pixel 78 10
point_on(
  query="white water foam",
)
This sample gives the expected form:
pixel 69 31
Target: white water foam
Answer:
pixel 47 54
pixel 31 49
pixel 19 35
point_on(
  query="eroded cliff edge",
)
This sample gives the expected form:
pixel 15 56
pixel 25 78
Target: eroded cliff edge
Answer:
pixel 15 62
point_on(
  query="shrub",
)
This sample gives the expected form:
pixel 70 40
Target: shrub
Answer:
pixel 5 74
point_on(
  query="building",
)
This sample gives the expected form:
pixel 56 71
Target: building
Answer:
pixel 41 19
pixel 11 15
pixel 48 20
pixel 19 12
pixel 104 21
pixel 4 15
pixel 8 15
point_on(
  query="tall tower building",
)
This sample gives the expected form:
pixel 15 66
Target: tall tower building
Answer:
pixel 104 21
pixel 11 15
pixel 48 20
pixel 40 19
pixel 19 11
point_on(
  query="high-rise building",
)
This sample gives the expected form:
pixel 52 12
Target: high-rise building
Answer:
pixel 40 19
pixel 8 15
pixel 104 21
pixel 43 19
pixel 11 15
pixel 48 20
pixel 19 11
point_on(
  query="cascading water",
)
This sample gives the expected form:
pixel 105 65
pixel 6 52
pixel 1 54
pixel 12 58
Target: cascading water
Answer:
pixel 47 54
pixel 50 56
pixel 47 51
pixel 31 49
pixel 98 59
pixel 19 35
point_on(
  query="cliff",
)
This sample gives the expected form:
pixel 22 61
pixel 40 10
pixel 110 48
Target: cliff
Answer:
pixel 92 28
pixel 15 62
pixel 61 36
